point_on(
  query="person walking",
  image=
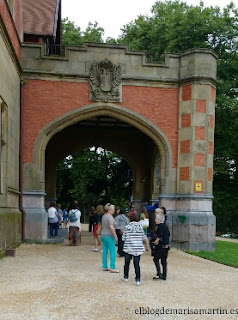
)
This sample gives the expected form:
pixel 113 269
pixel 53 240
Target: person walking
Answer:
pixel 134 238
pixel 162 246
pixel 74 225
pixel 121 221
pixel 109 238
pixel 60 215
pixel 91 218
pixel 97 224
pixel 65 218
pixel 53 219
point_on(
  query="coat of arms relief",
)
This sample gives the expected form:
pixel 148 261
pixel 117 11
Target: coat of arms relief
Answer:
pixel 105 82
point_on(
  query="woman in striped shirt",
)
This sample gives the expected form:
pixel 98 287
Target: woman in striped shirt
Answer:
pixel 133 238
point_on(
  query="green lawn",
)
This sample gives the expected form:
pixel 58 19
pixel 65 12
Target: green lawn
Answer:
pixel 226 253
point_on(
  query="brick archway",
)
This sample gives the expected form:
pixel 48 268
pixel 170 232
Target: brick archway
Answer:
pixel 140 151
pixel 37 167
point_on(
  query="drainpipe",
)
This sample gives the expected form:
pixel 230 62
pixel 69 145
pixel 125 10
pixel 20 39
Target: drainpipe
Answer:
pixel 21 166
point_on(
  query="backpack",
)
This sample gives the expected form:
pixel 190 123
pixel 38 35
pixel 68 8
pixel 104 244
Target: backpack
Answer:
pixel 72 217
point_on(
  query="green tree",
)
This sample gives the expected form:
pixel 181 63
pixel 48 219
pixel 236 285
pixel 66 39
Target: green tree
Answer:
pixel 94 176
pixel 73 35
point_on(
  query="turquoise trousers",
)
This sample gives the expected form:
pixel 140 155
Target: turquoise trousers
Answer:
pixel 108 244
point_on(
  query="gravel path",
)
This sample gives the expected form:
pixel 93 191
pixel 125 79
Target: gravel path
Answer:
pixel 56 281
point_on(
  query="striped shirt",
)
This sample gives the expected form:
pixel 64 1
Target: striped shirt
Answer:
pixel 133 238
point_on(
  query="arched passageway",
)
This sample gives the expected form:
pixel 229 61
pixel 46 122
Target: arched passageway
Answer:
pixel 122 131
pixel 120 137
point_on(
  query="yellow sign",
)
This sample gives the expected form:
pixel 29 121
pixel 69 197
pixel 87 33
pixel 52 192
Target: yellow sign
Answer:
pixel 198 187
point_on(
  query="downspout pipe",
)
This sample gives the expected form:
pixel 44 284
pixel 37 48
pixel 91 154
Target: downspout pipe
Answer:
pixel 21 167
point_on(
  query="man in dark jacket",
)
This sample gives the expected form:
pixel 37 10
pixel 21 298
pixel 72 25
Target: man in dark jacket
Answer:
pixel 161 243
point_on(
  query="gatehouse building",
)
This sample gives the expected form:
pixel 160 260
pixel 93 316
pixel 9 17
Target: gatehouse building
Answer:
pixel 159 117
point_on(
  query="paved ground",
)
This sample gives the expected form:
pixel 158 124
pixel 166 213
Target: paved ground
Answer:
pixel 227 239
pixel 56 281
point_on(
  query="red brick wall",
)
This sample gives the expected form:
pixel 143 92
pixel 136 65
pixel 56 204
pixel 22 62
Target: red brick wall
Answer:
pixel 211 121
pixel 212 94
pixel 199 160
pixel 12 32
pixel 184 173
pixel 186 120
pixel 187 92
pixel 210 147
pixel 200 133
pixel 46 100
pixel 201 106
pixel 185 146
pixel 209 174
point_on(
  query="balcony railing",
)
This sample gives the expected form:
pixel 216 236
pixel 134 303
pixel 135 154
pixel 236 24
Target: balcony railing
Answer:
pixel 55 49
pixel 154 56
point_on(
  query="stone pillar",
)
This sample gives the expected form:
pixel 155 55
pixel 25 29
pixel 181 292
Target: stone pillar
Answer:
pixel 193 222
pixel 36 215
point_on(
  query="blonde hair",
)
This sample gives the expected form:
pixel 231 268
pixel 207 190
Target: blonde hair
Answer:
pixel 99 209
pixel 106 207
pixel 160 217
pixel 158 210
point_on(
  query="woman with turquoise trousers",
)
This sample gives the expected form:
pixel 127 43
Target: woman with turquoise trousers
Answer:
pixel 109 238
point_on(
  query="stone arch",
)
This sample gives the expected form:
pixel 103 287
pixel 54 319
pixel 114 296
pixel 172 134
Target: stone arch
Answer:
pixel 112 110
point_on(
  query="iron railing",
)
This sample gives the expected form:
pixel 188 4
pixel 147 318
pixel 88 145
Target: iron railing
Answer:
pixel 55 49
pixel 154 56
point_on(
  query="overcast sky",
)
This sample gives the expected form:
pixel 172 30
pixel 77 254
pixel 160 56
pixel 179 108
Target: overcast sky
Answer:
pixel 112 15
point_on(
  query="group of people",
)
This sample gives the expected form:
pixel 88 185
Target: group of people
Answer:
pixel 131 239
pixel 126 232
pixel 69 219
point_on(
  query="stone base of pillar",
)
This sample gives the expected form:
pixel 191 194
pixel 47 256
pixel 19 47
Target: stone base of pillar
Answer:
pixel 191 221
pixel 36 224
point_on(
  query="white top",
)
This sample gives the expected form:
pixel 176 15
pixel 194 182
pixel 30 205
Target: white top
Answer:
pixel 133 238
pixel 77 222
pixel 52 212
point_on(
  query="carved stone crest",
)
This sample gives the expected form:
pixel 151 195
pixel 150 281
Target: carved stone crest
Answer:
pixel 105 82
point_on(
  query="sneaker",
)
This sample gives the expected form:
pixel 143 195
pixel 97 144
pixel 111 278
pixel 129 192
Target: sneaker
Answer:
pixel 124 279
pixel 105 269
pixel 114 270
pixel 101 251
pixel 137 283
pixel 95 250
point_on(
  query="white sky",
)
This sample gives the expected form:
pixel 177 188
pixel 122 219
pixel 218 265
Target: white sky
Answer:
pixel 112 15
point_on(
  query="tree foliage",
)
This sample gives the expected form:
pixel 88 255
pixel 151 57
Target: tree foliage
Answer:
pixel 94 176
pixel 73 35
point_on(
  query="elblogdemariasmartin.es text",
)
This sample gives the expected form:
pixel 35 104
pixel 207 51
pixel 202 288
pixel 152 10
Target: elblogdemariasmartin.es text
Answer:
pixel 184 311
